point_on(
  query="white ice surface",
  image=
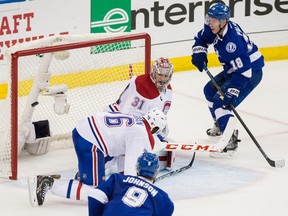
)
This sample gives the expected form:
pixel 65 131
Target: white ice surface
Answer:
pixel 242 186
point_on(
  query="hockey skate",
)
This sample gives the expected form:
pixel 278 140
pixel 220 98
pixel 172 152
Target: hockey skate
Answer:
pixel 231 149
pixel 77 176
pixel 214 131
pixel 39 186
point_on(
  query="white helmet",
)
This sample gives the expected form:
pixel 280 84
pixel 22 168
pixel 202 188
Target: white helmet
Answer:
pixel 161 73
pixel 156 119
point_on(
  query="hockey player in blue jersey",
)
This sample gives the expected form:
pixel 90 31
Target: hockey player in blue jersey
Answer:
pixel 131 195
pixel 242 67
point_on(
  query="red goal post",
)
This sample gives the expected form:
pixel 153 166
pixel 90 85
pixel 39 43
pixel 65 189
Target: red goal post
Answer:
pixel 56 81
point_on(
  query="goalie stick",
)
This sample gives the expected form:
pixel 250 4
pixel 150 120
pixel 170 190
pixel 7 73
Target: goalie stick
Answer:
pixel 177 170
pixel 218 147
pixel 278 163
pixel 190 147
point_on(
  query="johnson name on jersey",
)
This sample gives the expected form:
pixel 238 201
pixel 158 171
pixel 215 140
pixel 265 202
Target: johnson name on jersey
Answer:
pixel 132 195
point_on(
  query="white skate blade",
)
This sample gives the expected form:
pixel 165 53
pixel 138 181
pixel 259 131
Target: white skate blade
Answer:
pixel 32 185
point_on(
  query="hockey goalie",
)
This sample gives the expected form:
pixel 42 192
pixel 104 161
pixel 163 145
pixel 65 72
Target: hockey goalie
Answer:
pixel 149 91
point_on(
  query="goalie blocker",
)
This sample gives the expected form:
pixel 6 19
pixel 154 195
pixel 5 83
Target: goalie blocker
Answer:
pixel 166 157
pixel 38 137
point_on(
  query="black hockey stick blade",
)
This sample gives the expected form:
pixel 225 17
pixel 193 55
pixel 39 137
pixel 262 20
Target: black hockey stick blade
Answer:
pixel 177 170
pixel 277 164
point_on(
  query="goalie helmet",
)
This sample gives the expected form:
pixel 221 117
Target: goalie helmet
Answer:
pixel 156 119
pixel 147 165
pixel 219 11
pixel 161 73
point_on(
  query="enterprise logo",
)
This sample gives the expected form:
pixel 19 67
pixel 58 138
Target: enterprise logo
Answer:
pixel 116 16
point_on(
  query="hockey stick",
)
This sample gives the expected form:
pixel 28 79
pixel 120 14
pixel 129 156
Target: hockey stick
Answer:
pixel 177 170
pixel 279 163
pixel 218 147
pixel 191 147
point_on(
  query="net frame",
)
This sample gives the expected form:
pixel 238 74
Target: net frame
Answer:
pixel 57 48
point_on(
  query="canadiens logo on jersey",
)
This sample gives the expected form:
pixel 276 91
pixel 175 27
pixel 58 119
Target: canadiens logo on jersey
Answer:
pixel 231 47
pixel 166 108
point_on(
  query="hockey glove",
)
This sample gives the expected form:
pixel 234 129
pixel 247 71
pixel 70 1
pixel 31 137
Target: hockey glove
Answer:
pixel 230 97
pixel 199 57
pixel 162 135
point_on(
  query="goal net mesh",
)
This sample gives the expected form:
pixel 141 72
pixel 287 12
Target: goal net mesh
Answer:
pixel 85 72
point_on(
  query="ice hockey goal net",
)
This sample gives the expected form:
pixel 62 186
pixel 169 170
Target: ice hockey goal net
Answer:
pixel 56 81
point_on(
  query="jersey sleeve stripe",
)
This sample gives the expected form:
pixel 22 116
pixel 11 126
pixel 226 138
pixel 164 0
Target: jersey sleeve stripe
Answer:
pixel 97 135
pixel 95 163
pixel 150 136
pixel 69 189
pixel 255 56
pixel 113 107
pixel 78 190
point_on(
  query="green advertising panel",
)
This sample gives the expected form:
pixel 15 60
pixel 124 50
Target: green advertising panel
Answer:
pixel 110 16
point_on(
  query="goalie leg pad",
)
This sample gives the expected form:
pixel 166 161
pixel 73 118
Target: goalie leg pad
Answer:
pixel 166 159
pixel 39 147
pixel 170 159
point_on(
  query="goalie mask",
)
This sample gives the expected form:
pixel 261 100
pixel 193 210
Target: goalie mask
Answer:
pixel 156 119
pixel 161 73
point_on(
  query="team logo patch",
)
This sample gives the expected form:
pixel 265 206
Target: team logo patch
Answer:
pixel 84 176
pixel 231 47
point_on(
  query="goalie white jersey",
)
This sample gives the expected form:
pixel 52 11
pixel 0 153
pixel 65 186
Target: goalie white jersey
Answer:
pixel 140 96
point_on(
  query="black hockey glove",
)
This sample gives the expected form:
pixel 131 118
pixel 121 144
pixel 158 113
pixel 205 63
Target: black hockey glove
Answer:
pixel 199 57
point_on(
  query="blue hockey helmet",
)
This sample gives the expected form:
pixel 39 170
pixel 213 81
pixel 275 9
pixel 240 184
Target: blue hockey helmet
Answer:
pixel 219 11
pixel 148 165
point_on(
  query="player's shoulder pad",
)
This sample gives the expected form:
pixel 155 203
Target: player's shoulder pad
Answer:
pixel 234 44
pixel 235 33
pixel 145 87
